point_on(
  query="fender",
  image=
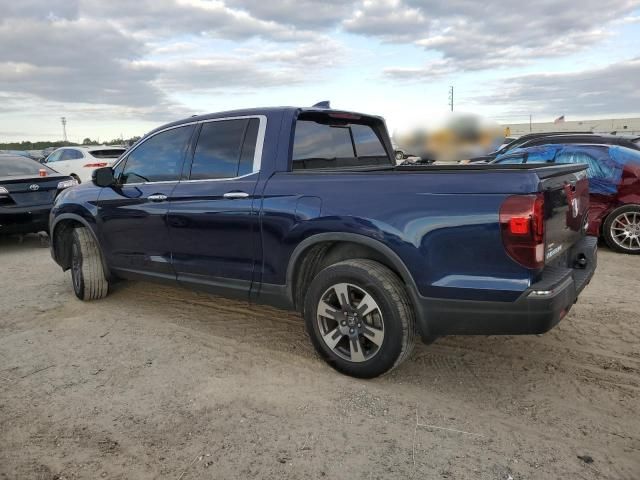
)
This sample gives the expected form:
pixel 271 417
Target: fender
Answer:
pixel 83 221
pixel 380 247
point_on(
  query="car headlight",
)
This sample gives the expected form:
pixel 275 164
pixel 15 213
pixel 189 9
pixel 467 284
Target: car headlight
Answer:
pixel 4 191
pixel 67 183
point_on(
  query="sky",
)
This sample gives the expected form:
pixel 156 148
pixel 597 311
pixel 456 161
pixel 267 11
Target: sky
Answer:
pixel 121 68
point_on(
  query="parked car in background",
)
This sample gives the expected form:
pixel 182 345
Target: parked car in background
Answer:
pixel 80 162
pixel 46 152
pixel 614 185
pixel 305 209
pixel 533 139
pixel 628 141
pixel 27 192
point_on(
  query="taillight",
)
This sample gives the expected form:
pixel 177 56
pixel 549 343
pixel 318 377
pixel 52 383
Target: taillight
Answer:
pixel 522 226
pixel 96 165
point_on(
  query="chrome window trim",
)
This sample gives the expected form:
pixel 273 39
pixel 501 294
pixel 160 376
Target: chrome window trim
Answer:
pixel 257 156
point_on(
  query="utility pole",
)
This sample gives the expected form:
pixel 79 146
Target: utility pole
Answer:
pixel 530 126
pixel 451 97
pixel 63 120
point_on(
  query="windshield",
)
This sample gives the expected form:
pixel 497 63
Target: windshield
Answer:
pixel 15 166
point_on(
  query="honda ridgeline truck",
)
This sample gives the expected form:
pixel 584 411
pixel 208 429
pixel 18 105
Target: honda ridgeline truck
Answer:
pixel 305 209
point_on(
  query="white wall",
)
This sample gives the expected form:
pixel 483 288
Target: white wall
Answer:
pixel 601 126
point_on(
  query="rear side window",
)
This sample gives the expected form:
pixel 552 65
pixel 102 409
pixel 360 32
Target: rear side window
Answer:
pixel 158 159
pixel 366 142
pixel 513 160
pixel 70 154
pixel 225 149
pixel 597 169
pixel 319 145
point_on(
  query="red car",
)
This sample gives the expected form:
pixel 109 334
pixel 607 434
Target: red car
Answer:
pixel 614 185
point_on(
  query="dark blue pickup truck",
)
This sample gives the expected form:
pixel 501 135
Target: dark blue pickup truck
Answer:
pixel 305 209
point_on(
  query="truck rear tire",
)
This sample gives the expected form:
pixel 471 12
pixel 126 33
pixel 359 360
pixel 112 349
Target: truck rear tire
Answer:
pixel 359 318
pixel 87 272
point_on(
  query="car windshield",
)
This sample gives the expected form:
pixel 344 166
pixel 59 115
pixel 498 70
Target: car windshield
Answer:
pixel 15 166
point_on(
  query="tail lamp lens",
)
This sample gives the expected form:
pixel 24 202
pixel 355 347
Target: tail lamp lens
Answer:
pixel 96 165
pixel 522 226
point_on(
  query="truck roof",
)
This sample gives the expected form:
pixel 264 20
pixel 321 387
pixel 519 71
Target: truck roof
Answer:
pixel 266 111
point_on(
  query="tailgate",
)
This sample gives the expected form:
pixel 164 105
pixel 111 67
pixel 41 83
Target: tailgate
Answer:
pixel 566 204
pixel 29 192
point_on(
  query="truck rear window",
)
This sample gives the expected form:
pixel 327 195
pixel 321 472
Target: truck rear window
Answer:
pixel 319 145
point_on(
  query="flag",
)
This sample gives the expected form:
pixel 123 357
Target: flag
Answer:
pixel 560 119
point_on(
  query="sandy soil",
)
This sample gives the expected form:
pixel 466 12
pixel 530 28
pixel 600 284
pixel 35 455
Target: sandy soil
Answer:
pixel 158 382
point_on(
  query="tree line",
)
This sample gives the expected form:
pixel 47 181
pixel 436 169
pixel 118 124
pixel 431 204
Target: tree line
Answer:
pixel 27 145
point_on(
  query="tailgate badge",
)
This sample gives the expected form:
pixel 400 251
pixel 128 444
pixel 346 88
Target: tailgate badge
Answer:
pixel 575 206
pixel 34 187
pixel 574 201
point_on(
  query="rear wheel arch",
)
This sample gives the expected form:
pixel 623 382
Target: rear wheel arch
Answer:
pixel 321 250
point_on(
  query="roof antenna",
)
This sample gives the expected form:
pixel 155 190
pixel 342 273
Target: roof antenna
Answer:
pixel 323 104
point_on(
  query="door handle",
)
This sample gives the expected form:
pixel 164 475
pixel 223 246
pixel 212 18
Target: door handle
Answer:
pixel 233 195
pixel 157 197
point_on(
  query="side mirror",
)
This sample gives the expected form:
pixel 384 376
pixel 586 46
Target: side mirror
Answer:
pixel 103 177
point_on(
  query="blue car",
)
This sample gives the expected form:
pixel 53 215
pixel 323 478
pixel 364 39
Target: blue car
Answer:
pixel 305 209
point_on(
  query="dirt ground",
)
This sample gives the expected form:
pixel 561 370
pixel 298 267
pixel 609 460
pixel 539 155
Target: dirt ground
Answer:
pixel 159 382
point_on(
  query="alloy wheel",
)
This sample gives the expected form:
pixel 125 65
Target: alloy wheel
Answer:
pixel 625 230
pixel 350 322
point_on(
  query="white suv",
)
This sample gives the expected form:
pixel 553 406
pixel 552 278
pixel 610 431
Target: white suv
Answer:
pixel 79 162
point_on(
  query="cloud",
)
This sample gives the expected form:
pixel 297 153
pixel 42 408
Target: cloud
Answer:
pixel 472 35
pixel 612 90
pixel 82 61
pixel 152 18
pixel 250 69
pixel 430 71
pixel 309 14
pixel 90 52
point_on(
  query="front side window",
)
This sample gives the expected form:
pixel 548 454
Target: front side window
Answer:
pixel 320 145
pixel 55 156
pixel 544 155
pixel 225 149
pixel 158 159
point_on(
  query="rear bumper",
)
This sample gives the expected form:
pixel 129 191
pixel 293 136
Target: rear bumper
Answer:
pixel 24 219
pixel 537 310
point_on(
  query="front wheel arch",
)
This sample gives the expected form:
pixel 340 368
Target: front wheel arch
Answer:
pixel 61 232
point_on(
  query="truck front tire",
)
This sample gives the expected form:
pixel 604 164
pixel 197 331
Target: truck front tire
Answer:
pixel 359 318
pixel 87 272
